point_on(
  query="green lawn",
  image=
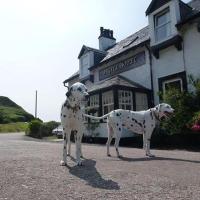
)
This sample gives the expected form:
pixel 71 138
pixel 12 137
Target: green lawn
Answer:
pixel 13 127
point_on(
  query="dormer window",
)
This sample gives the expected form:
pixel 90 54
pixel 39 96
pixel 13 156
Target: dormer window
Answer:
pixel 84 65
pixel 162 25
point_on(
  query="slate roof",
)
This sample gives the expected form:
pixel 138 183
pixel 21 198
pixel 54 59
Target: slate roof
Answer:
pixel 195 4
pixel 75 75
pixel 86 48
pixel 189 11
pixel 132 41
pixel 117 80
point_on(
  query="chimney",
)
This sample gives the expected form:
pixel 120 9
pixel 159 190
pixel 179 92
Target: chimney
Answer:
pixel 106 39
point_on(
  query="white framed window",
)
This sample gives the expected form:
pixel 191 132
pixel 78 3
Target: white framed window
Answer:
pixel 84 65
pixel 107 102
pixel 94 105
pixel 94 101
pixel 125 99
pixel 141 101
pixel 176 83
pixel 162 25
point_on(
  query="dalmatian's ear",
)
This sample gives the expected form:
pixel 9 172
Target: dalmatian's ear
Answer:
pixel 158 107
pixel 69 92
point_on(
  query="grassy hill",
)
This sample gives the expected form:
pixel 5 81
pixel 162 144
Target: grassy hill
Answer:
pixel 11 112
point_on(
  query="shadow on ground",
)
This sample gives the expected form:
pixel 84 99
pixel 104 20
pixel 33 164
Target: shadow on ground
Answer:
pixel 156 158
pixel 89 173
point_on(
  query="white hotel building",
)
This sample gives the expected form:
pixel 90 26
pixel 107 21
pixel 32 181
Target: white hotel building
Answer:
pixel 130 74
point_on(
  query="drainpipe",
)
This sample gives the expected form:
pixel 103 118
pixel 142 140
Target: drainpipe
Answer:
pixel 151 73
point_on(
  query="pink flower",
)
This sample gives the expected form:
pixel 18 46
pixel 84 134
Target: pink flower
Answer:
pixel 196 127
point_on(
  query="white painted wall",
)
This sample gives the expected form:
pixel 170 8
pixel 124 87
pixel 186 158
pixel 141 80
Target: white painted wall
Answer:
pixel 192 49
pixel 140 74
pixel 105 43
pixel 170 62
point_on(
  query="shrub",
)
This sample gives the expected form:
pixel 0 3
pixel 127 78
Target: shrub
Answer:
pixel 186 104
pixel 46 129
pixel 34 128
pixel 38 129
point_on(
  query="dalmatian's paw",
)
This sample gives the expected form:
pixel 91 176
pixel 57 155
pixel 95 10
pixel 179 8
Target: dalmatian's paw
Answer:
pixel 62 163
pixel 79 163
pixel 150 155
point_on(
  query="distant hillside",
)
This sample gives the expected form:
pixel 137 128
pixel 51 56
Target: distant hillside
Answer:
pixel 11 112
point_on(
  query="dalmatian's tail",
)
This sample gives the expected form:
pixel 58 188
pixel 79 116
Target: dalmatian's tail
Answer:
pixel 96 118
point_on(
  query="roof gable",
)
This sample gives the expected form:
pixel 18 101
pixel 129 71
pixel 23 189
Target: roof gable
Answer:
pixel 155 4
pixel 84 50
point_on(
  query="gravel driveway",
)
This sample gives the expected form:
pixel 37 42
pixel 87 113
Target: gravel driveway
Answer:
pixel 29 169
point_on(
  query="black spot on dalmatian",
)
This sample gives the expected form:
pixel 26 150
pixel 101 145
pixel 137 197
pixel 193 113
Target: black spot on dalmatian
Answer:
pixel 123 124
pixel 136 122
pixel 144 126
pixel 128 117
pixel 139 124
pixel 61 115
pixel 119 129
pixel 151 114
pixel 117 124
pixel 144 122
pixel 64 137
pixel 64 147
pixel 63 128
pixel 118 114
pixel 64 115
pixel 131 125
pixel 79 89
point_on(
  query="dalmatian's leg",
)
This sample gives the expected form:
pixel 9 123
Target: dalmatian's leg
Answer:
pixel 69 144
pixel 110 136
pixel 146 144
pixel 78 148
pixel 117 139
pixel 81 154
pixel 64 161
pixel 148 153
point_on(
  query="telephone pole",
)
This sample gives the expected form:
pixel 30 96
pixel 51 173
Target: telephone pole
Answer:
pixel 36 104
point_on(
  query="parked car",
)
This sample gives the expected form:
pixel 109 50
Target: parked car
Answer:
pixel 58 131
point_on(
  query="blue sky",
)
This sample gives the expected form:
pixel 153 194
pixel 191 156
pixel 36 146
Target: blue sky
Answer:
pixel 41 39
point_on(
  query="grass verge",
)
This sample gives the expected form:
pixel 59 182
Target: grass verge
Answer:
pixel 13 127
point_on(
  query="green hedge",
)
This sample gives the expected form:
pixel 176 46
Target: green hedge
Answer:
pixel 38 129
pixel 187 107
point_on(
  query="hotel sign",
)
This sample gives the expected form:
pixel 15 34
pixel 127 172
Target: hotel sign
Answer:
pixel 130 63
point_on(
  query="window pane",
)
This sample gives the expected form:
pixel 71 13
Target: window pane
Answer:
pixel 125 100
pixel 163 31
pixel 173 85
pixel 141 101
pixel 162 19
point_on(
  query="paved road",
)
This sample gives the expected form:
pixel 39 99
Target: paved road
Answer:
pixel 29 169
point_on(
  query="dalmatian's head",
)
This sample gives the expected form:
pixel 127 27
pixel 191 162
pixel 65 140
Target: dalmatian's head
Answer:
pixel 164 110
pixel 77 94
